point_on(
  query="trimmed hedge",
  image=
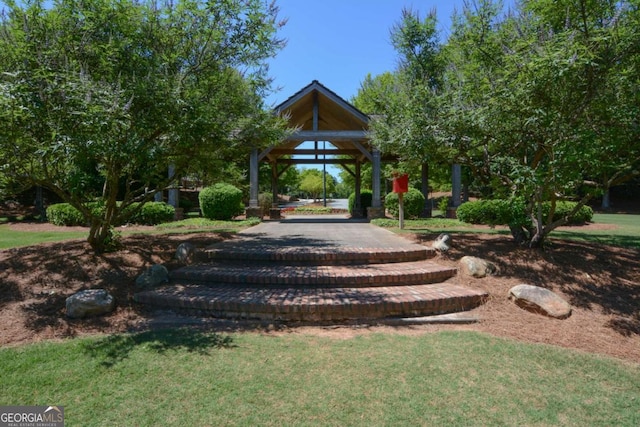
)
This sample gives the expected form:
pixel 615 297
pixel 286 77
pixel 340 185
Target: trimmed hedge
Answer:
pixel 64 214
pixel 413 202
pixel 152 213
pixel 366 199
pixel 505 212
pixel 221 201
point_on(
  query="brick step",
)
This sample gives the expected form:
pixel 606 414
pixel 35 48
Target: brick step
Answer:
pixel 314 304
pixel 295 276
pixel 301 255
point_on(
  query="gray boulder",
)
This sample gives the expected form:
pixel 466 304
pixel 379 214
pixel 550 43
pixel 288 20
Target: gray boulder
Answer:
pixel 185 253
pixel 540 300
pixel 154 276
pixel 442 243
pixel 92 302
pixel 477 267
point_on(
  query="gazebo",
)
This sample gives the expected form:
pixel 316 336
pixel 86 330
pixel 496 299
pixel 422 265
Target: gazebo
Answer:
pixel 320 115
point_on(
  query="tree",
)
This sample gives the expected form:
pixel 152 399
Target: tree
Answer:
pixel 311 182
pixel 122 90
pixel 539 103
pixel 405 104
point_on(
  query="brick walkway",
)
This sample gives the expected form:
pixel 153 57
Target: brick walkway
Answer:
pixel 325 268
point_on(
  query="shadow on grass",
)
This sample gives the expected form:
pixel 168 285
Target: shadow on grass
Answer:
pixel 116 348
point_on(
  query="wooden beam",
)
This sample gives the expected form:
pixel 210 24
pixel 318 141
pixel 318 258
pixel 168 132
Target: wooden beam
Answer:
pixel 316 161
pixel 312 152
pixel 328 135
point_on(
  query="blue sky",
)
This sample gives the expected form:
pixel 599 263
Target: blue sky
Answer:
pixel 338 42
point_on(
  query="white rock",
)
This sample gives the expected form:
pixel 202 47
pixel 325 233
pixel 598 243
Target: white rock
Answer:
pixel 185 253
pixel 442 243
pixel 155 275
pixel 477 267
pixel 92 302
pixel 540 300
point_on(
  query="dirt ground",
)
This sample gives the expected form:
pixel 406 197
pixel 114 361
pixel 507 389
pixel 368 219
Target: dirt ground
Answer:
pixel 602 283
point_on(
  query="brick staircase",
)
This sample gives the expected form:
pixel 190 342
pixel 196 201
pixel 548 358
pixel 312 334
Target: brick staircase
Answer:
pixel 314 284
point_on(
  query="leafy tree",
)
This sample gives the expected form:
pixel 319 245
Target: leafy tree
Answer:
pixel 99 97
pixel 538 102
pixel 405 104
pixel 311 182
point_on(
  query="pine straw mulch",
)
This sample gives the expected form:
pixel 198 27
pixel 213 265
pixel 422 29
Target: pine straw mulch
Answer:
pixel 601 282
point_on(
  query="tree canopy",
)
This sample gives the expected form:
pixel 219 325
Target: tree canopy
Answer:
pixel 99 97
pixel 540 102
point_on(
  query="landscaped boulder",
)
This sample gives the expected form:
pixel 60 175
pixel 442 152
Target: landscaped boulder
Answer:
pixel 92 302
pixel 540 300
pixel 185 253
pixel 477 267
pixel 442 243
pixel 155 275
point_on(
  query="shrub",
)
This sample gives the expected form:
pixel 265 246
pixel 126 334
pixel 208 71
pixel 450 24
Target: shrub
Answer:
pixel 221 201
pixel 64 214
pixel 506 212
pixel 366 198
pixel 265 201
pixel 413 203
pixel 584 214
pixel 153 213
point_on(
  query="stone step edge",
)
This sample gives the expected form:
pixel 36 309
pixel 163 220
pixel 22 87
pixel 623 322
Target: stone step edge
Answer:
pixel 340 257
pixel 322 276
pixel 450 300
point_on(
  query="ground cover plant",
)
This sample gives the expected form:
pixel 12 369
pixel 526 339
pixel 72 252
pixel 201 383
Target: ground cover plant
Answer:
pixel 192 377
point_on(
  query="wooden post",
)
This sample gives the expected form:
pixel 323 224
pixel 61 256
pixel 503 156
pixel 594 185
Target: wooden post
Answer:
pixel 401 209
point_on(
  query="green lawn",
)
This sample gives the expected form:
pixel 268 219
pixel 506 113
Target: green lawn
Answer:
pixel 189 378
pixel 626 231
pixel 11 238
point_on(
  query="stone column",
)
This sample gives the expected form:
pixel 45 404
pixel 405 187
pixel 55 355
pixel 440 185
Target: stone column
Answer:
pixel 426 210
pixel 254 208
pixel 456 184
pixel 456 190
pixel 376 210
pixel 357 207
pixel 173 197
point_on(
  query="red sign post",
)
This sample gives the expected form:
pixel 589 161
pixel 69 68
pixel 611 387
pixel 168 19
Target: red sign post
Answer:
pixel 401 186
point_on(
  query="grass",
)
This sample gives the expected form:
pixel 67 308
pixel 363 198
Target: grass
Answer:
pixel 11 238
pixel 186 377
pixel 625 231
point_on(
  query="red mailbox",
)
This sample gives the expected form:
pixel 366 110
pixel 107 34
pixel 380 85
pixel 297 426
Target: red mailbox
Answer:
pixel 401 183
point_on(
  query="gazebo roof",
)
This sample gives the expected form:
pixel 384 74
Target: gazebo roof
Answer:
pixel 334 113
pixel 319 114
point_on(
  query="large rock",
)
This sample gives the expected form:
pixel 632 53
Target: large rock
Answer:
pixel 540 300
pixel 92 302
pixel 153 277
pixel 185 253
pixel 442 243
pixel 477 267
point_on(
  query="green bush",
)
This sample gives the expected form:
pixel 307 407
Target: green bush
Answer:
pixel 153 213
pixel 584 214
pixel 366 198
pixel 265 201
pixel 64 214
pixel 506 212
pixel 221 201
pixel 413 202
